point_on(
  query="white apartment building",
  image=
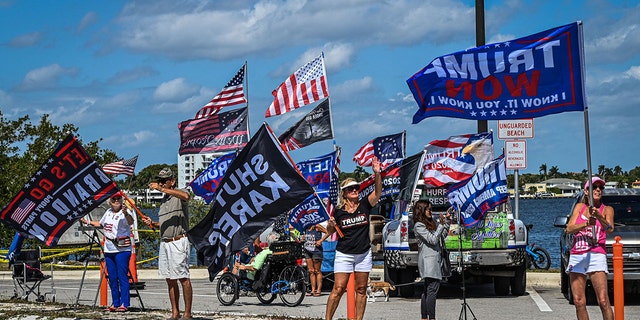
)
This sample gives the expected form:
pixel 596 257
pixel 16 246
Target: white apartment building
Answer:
pixel 190 164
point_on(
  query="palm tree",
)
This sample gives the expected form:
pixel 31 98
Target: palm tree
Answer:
pixel 617 170
pixel 543 170
pixel 554 171
pixel 601 170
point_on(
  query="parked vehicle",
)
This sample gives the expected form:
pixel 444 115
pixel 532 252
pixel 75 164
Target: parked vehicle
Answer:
pixel 626 206
pixel 538 257
pixel 494 248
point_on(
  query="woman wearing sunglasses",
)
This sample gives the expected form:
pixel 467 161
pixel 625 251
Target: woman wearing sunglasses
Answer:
pixel 353 250
pixel 588 257
pixel 116 223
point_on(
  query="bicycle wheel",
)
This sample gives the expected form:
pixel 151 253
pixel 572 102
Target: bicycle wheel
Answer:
pixel 295 287
pixel 544 259
pixel 227 289
pixel 266 296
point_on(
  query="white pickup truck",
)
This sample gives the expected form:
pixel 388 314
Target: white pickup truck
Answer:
pixel 495 247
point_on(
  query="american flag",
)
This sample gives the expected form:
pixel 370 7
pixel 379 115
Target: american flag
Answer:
pixel 25 207
pixel 231 94
pixel 388 149
pixel 121 167
pixel 307 85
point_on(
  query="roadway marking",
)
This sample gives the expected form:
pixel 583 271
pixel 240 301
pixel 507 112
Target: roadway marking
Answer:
pixel 542 305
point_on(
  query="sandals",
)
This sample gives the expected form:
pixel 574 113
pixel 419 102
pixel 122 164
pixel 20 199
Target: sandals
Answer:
pixel 121 309
pixel 110 309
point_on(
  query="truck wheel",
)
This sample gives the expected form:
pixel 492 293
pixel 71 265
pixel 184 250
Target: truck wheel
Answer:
pixel 391 275
pixel 501 286
pixel 519 282
pixel 407 286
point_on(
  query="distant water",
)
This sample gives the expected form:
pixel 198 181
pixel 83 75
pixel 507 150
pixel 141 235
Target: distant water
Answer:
pixel 541 213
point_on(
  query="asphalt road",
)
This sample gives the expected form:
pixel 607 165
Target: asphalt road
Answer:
pixel 543 300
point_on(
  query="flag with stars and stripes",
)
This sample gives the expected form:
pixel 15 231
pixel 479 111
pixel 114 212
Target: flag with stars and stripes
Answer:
pixel 65 188
pixel 232 94
pixel 125 167
pixel 223 132
pixel 388 149
pixel 307 85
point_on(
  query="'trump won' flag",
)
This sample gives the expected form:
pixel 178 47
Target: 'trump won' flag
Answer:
pixel 260 184
pixel 307 85
pixel 456 158
pixel 388 149
pixel 484 191
pixel 206 183
pixel 66 187
pixel 314 127
pixel 232 94
pixel 529 77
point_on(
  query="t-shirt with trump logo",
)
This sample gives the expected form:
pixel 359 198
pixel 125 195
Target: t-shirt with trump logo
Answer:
pixel 355 227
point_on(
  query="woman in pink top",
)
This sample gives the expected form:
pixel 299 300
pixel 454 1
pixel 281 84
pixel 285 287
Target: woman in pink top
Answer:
pixel 590 225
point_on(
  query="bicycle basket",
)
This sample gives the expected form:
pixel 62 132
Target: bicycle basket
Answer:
pixel 286 250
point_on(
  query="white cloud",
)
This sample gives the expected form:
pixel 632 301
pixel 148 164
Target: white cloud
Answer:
pixel 175 90
pixel 45 77
pixel 25 40
pixel 633 72
pixel 88 20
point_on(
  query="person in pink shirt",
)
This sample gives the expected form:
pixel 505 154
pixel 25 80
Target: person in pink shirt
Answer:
pixel 590 225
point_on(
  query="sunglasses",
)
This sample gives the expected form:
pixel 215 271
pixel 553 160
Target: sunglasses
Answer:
pixel 598 187
pixel 116 199
pixel 162 180
pixel 352 188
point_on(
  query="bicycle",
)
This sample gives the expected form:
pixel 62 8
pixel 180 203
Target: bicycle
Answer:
pixel 537 256
pixel 282 278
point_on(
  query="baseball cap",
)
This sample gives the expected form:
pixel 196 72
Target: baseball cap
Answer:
pixel 349 184
pixel 594 180
pixel 165 173
pixel 116 195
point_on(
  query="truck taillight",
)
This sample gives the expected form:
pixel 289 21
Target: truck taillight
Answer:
pixel 512 230
pixel 404 232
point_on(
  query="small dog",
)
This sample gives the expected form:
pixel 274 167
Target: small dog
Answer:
pixel 378 289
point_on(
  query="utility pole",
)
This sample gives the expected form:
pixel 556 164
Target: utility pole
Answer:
pixel 480 41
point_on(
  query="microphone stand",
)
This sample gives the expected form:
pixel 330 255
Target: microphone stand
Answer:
pixel 465 306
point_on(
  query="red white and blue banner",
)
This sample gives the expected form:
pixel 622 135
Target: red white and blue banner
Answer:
pixel 398 180
pixel 456 158
pixel 65 188
pixel 388 149
pixel 310 212
pixel 484 191
pixel 206 183
pixel 225 131
pixel 529 77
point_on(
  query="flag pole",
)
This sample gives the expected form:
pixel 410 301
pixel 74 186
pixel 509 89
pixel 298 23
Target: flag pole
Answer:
pixel 245 79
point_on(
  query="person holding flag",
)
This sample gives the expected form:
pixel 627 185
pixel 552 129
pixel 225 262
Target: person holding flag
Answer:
pixel 353 250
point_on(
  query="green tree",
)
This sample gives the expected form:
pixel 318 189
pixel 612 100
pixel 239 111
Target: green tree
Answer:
pixel 543 170
pixel 553 172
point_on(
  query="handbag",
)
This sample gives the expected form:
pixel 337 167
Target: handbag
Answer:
pixel 123 242
pixel 445 263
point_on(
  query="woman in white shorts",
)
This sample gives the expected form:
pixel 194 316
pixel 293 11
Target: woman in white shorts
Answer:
pixel 588 257
pixel 353 250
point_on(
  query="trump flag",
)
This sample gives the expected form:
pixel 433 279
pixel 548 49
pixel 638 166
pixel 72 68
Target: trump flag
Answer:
pixel 481 193
pixel 529 77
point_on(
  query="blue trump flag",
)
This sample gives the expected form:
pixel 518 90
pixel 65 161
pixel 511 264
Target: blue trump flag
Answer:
pixel 310 212
pixel 529 77
pixel 206 183
pixel 485 190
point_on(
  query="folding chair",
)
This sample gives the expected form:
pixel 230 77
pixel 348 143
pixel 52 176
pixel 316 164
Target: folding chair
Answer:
pixel 28 276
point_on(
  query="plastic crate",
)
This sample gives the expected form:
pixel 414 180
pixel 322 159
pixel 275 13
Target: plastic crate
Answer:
pixel 286 250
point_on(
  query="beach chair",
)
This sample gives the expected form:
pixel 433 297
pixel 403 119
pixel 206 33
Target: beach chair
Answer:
pixel 27 275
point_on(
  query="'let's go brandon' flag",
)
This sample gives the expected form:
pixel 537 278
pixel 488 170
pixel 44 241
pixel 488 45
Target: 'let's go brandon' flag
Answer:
pixel 66 187
pixel 529 77
pixel 259 185
pixel 225 131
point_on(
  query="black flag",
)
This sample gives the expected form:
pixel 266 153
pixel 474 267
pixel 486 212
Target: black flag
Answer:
pixel 260 184
pixel 314 127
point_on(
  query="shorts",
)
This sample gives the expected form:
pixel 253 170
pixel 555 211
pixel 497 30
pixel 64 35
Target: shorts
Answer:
pixel 587 263
pixel 348 263
pixel 173 259
pixel 313 255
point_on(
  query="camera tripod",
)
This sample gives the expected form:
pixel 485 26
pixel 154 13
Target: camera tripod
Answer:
pixel 465 305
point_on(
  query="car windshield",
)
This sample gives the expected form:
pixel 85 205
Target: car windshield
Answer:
pixel 626 209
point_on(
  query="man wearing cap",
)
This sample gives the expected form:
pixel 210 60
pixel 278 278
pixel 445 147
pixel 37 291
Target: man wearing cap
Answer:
pixel 589 223
pixel 173 256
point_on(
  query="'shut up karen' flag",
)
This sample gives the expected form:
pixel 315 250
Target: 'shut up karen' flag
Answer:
pixel 307 85
pixel 313 127
pixel 66 187
pixel 529 77
pixel 260 184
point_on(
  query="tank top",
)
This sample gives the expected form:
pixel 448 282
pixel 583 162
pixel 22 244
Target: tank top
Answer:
pixel 582 242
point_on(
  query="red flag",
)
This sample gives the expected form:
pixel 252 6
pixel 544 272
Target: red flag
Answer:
pixel 307 85
pixel 231 94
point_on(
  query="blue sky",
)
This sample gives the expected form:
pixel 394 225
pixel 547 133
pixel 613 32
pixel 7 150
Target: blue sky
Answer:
pixel 130 71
